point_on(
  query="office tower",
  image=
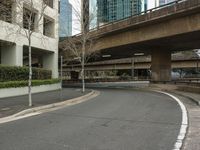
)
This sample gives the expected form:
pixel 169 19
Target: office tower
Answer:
pixel 112 10
pixel 163 2
pixel 65 18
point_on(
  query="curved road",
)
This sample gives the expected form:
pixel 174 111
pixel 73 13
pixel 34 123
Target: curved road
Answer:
pixel 115 120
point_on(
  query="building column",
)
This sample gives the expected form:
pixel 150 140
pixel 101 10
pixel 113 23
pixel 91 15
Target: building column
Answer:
pixel 50 62
pixel 161 65
pixel 12 55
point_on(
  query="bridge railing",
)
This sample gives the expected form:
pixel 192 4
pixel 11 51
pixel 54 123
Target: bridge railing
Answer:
pixel 152 14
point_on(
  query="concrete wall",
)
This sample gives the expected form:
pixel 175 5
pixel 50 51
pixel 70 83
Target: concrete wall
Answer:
pixel 10 92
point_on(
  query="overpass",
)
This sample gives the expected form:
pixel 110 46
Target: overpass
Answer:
pixel 130 64
pixel 157 32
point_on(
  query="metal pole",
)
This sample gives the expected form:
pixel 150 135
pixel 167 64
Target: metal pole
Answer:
pixel 61 71
pixel 61 77
pixel 198 64
pixel 132 68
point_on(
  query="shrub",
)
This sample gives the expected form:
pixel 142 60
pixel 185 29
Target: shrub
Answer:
pixel 13 73
pixel 15 84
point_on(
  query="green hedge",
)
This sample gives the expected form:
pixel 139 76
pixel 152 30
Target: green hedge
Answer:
pixel 15 84
pixel 12 73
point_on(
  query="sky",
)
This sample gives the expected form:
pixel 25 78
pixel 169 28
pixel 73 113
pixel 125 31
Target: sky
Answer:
pixel 76 4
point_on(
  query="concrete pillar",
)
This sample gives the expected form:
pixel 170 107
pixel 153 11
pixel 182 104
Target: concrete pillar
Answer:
pixel 50 62
pixel 12 55
pixel 161 65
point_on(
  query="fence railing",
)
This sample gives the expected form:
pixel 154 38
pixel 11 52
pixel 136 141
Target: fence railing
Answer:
pixel 152 14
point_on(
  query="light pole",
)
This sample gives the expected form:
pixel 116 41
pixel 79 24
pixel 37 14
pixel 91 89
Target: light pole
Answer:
pixel 61 77
pixel 132 68
pixel 61 71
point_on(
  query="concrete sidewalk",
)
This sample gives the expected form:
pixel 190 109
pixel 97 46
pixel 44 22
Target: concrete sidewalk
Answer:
pixel 12 105
pixel 195 97
pixel 192 96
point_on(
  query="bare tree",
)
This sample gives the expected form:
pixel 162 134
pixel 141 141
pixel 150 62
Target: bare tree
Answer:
pixel 81 47
pixel 28 17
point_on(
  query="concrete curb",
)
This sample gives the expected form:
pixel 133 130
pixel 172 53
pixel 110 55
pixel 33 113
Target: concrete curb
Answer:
pixel 174 90
pixel 50 107
pixel 188 97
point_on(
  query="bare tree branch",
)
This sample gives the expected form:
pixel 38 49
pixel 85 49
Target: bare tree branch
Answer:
pixel 80 47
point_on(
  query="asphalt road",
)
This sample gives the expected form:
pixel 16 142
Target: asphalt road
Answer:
pixel 115 120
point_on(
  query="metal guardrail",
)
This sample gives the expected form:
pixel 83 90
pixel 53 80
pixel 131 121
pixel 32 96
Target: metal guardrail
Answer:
pixel 157 12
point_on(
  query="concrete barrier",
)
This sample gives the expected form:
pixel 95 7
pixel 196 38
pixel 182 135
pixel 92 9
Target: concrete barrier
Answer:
pixel 10 92
pixel 132 84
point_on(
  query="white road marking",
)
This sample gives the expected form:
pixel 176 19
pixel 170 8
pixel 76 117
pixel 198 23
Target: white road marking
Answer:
pixel 11 118
pixel 184 125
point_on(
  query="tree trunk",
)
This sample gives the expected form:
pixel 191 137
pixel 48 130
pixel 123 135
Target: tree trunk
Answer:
pixel 83 71
pixel 30 75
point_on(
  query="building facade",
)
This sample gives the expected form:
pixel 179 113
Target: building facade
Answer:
pixel 112 10
pixel 163 2
pixel 44 39
pixel 65 18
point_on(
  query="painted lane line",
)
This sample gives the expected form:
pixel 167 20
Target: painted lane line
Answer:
pixel 184 125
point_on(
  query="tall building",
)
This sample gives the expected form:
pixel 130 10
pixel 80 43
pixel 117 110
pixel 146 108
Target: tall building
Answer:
pixel 163 2
pixel 44 39
pixel 112 10
pixel 65 18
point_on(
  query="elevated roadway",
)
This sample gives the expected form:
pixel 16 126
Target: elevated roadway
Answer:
pixel 157 32
pixel 130 64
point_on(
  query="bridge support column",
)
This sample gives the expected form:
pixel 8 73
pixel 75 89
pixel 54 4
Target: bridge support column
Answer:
pixel 161 65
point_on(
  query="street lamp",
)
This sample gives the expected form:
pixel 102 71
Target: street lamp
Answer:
pixel 139 54
pixel 106 56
